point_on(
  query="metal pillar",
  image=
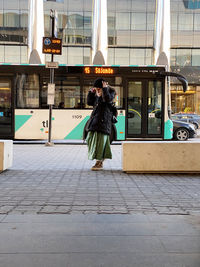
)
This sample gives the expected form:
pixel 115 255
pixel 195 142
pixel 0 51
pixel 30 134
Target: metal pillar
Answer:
pixel 52 16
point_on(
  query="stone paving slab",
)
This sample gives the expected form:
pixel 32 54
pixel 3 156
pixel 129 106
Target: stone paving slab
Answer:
pixel 100 260
pixel 58 180
pixel 100 240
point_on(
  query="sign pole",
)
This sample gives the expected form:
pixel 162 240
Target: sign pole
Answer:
pixel 51 81
pixel 52 45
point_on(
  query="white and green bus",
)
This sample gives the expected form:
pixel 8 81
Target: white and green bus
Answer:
pixel 143 101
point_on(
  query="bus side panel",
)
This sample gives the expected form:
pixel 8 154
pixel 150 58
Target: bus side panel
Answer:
pixel 33 124
pixel 66 124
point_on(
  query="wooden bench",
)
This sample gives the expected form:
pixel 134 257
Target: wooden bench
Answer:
pixel 161 156
pixel 6 154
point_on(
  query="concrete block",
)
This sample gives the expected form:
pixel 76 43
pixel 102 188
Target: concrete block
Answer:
pixel 160 156
pixel 6 154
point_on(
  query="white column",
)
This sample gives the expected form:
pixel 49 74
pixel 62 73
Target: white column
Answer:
pixel 99 32
pixel 35 32
pixel 162 33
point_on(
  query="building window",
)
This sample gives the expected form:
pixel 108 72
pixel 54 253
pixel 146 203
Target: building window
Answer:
pixel 11 19
pixel 195 57
pixel 122 56
pixel 140 56
pixel 123 21
pixel 181 57
pixel 75 55
pixel 197 22
pixel 185 22
pixel 138 21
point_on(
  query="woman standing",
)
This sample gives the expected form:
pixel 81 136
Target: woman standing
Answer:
pixel 98 141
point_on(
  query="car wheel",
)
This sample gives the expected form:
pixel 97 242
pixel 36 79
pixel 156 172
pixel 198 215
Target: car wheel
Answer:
pixel 181 134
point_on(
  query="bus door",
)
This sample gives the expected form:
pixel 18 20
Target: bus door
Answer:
pixel 6 109
pixel 144 109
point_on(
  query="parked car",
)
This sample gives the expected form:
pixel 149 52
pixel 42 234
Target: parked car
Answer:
pixel 188 117
pixel 183 130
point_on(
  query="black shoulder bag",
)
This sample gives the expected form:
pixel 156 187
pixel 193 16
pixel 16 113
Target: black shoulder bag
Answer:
pixel 114 112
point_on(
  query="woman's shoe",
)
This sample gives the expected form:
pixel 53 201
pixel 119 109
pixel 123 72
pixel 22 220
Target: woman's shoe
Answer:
pixel 98 166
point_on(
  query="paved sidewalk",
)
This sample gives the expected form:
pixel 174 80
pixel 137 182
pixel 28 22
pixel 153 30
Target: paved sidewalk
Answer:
pixel 99 241
pixel 58 180
pixel 56 212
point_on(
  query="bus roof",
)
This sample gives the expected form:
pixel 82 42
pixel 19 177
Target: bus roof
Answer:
pixel 79 65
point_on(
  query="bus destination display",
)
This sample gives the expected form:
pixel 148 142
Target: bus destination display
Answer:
pixel 98 70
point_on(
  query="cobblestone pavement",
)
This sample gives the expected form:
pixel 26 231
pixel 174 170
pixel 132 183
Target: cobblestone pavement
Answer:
pixel 58 180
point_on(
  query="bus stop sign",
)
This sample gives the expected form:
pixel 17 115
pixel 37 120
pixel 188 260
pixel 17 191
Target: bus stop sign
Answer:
pixel 52 45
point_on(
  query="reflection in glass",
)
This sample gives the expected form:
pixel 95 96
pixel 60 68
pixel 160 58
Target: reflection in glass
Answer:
pixel 27 91
pixel 154 107
pixel 183 57
pixel 134 107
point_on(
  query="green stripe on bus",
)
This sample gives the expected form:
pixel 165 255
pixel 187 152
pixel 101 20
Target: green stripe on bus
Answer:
pixel 168 132
pixel 20 120
pixel 77 132
pixel 120 126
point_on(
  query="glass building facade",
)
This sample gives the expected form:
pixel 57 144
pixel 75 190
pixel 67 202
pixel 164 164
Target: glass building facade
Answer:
pixel 130 37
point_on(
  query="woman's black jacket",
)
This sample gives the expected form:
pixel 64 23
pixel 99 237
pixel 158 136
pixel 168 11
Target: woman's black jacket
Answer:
pixel 101 117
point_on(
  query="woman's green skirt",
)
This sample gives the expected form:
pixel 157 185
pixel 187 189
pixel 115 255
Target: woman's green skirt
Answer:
pixel 98 146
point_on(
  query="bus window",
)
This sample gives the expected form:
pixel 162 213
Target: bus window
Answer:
pixel 119 96
pixel 114 82
pixel 67 92
pixel 154 107
pixel 134 107
pixel 27 91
